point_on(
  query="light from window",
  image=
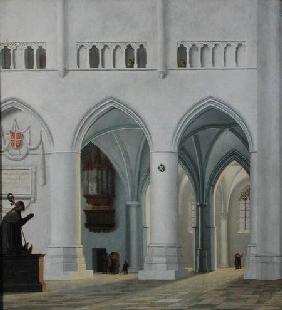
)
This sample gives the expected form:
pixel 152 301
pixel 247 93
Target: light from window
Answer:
pixel 244 219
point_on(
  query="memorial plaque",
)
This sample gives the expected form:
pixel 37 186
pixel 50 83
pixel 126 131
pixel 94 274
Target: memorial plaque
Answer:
pixel 17 181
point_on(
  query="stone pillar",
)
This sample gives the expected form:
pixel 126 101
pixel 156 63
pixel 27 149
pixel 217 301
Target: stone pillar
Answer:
pixel 250 262
pixel 201 252
pixel 194 245
pixel 162 68
pixel 224 241
pixel 64 259
pixel 133 235
pixel 213 248
pixel 61 37
pixel 269 234
pixel 163 260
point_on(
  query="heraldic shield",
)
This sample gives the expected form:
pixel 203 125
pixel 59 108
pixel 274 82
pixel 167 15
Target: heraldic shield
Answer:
pixel 16 143
pixel 16 139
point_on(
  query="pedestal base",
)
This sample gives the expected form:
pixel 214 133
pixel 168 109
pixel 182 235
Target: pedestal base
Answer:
pixel 22 273
pixel 163 262
pixel 251 263
pixel 262 267
pixel 66 263
pixel 268 267
pixel 201 260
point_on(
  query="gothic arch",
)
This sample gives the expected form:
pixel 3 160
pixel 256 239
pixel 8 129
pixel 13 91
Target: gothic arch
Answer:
pixel 100 109
pixel 15 103
pixel 229 157
pixel 232 155
pixel 201 107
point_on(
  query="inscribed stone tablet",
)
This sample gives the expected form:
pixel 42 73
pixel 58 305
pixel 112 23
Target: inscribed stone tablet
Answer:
pixel 16 181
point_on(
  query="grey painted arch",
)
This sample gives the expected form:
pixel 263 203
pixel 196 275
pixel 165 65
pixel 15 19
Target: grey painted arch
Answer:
pixel 202 106
pixel 99 110
pixel 230 156
pixel 16 103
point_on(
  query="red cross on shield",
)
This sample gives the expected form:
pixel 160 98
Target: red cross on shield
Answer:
pixel 16 139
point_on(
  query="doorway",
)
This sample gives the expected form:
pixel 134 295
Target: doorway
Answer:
pixel 98 258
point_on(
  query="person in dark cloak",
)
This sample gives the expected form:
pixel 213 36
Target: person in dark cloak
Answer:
pixel 125 267
pixel 11 228
pixel 109 263
pixel 238 261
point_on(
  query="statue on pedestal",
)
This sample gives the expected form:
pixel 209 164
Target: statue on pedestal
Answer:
pixel 20 270
pixel 11 229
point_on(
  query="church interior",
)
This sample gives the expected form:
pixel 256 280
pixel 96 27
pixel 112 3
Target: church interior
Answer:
pixel 144 138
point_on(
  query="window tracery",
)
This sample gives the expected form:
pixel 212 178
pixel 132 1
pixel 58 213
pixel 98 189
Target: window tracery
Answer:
pixel 244 215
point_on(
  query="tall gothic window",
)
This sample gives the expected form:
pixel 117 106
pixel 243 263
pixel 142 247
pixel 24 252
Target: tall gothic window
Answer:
pixel 244 218
pixel 192 215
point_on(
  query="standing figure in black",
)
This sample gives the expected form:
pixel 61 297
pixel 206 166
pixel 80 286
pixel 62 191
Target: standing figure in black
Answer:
pixel 11 228
pixel 125 267
pixel 238 261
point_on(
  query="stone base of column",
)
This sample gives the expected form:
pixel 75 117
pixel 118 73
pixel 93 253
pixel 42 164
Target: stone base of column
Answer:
pixel 251 262
pixel 163 262
pixel 269 267
pixel 65 263
pixel 201 259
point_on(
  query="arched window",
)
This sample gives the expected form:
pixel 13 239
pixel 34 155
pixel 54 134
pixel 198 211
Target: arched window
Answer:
pixel 106 57
pixel 82 57
pixel 229 56
pixel 182 56
pixel 194 56
pixel 141 56
pixel 29 57
pixel 240 55
pixel 94 57
pixel 98 189
pixel 118 57
pixel 6 58
pixel 244 218
pixel 205 56
pixel 41 58
pixel 217 59
pixel 129 56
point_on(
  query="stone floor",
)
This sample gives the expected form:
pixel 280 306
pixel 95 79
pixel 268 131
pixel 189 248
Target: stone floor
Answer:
pixel 224 289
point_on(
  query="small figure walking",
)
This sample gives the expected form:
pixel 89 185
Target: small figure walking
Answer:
pixel 109 263
pixel 238 261
pixel 125 267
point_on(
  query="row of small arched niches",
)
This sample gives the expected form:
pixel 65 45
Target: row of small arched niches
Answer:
pixel 107 56
pixel 189 55
pixel 213 54
pixel 28 57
